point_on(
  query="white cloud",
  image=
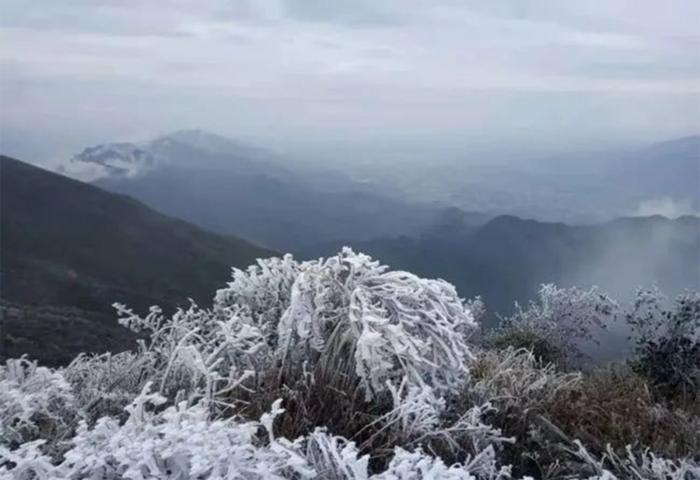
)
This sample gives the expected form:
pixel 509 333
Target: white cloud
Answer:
pixel 665 206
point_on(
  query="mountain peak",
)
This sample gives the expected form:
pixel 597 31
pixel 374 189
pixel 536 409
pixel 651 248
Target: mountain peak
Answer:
pixel 128 160
pixel 200 140
pixel 689 141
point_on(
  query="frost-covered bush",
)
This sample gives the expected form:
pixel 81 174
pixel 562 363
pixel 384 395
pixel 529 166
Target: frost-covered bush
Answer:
pixel 520 389
pixel 643 465
pixel 178 442
pixel 265 289
pixel 667 340
pixel 104 384
pixel 35 402
pixel 198 352
pixel 544 349
pixel 516 376
pixel 392 324
pixel 417 465
pixel 419 418
pixel 562 318
pixel 183 442
pixel 396 324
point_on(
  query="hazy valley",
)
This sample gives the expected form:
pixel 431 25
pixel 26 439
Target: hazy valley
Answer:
pixel 87 248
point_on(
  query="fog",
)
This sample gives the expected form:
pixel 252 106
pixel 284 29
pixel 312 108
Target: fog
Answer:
pixel 627 258
pixel 666 207
pixel 330 79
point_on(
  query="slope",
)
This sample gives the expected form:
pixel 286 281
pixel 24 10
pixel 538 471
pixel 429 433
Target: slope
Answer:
pixel 64 243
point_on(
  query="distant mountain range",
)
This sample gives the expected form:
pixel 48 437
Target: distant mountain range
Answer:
pixel 70 247
pixel 198 177
pixel 229 188
pixel 508 258
pixel 667 169
pixel 662 178
pixel 575 187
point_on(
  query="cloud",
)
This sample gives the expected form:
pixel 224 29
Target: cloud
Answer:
pixel 666 207
pixel 331 67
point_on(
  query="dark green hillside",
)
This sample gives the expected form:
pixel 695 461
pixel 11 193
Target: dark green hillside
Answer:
pixel 64 243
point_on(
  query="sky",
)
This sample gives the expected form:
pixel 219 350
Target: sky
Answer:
pixel 323 72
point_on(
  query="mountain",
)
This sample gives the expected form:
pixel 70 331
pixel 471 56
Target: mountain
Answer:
pixel 194 148
pixel 211 143
pixel 508 258
pixel 585 184
pixel 69 250
pixel 661 178
pixel 667 169
pixel 223 186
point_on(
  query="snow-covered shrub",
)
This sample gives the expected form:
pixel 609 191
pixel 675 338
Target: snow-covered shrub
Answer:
pixel 393 324
pixel 35 402
pixel 28 462
pixel 104 384
pixel 397 324
pixel 178 442
pixel 667 340
pixel 520 389
pixel 265 289
pixel 198 352
pixel 184 442
pixel 562 317
pixel 545 410
pixel 643 465
pixel 516 377
pixel 417 465
pixel 420 418
pixel 322 455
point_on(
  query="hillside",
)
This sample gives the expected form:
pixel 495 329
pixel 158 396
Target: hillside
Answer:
pixel 69 244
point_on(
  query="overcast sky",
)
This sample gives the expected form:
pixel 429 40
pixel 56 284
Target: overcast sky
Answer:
pixel 75 72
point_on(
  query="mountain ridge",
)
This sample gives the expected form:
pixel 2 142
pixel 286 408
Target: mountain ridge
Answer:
pixel 508 258
pixel 234 189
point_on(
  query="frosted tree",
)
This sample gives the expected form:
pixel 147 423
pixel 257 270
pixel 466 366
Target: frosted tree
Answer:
pixel 563 317
pixel 667 339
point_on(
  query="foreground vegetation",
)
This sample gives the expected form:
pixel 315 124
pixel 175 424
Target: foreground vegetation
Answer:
pixel 342 369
